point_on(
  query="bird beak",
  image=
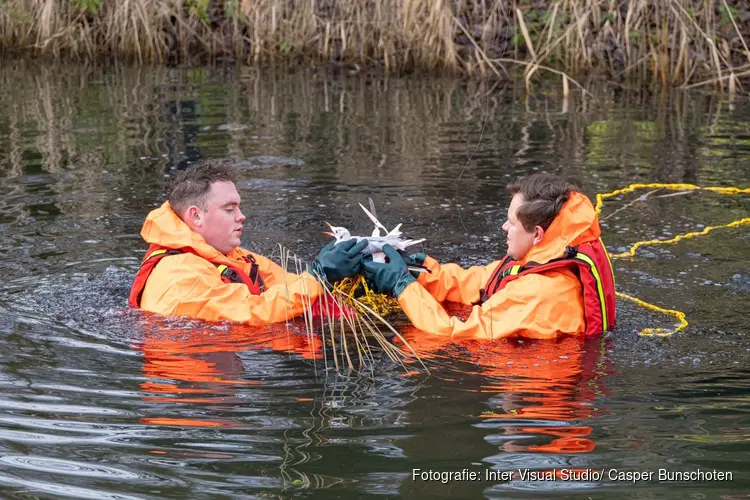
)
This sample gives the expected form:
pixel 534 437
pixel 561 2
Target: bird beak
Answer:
pixel 331 228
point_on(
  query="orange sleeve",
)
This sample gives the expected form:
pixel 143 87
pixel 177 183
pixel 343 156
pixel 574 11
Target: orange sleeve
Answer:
pixel 534 306
pixel 454 283
pixel 274 274
pixel 187 285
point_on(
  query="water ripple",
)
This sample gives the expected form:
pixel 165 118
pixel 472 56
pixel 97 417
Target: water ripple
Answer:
pixel 64 490
pixel 67 467
pixel 63 408
pixel 101 401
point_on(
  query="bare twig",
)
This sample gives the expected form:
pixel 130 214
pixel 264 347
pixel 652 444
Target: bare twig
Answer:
pixel 552 70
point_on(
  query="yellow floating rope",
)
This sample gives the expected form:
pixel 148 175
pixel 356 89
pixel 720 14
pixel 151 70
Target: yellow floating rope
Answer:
pixel 672 187
pixel 661 332
pixel 686 236
pixel 658 332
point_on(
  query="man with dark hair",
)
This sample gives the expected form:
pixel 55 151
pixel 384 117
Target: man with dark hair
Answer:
pixel 555 279
pixel 203 273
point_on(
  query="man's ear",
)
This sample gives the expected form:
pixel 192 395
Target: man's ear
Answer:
pixel 194 216
pixel 538 234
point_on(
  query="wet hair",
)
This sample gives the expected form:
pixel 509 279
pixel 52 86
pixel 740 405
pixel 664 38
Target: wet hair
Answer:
pixel 191 186
pixel 543 197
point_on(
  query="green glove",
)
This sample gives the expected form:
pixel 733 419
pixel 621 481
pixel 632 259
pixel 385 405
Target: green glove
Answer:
pixel 416 260
pixel 390 277
pixel 338 261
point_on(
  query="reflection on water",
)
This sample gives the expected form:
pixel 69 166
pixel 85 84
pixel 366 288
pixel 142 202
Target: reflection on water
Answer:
pixel 192 364
pixel 538 388
pixel 103 402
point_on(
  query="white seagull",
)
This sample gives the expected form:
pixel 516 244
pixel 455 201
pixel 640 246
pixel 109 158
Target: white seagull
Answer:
pixel 375 241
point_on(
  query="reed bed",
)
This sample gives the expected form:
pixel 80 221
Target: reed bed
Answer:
pixel 682 43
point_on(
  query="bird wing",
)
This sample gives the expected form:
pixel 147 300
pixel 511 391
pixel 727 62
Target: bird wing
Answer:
pixel 373 219
pixel 408 243
pixel 395 231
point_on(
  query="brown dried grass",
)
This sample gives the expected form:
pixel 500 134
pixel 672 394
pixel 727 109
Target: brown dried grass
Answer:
pixel 670 42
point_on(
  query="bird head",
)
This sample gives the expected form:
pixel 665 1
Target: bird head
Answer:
pixel 340 233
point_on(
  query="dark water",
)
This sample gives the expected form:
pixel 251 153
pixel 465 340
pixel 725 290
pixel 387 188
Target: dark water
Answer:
pixel 100 402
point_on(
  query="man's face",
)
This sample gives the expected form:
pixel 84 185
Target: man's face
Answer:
pixel 220 223
pixel 520 241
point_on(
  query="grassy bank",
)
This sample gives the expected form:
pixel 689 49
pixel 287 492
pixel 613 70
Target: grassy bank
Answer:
pixel 672 42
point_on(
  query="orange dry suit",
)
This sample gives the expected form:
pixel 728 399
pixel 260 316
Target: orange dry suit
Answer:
pixel 563 285
pixel 182 275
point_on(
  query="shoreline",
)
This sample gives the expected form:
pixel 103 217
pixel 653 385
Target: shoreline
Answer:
pixel 682 45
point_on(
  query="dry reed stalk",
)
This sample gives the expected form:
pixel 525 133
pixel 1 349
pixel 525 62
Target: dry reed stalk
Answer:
pixel 711 81
pixel 48 21
pixel 737 29
pixel 307 302
pixel 551 26
pixel 712 46
pixel 481 52
pixel 551 70
pixel 627 29
pixel 530 69
pixel 361 324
